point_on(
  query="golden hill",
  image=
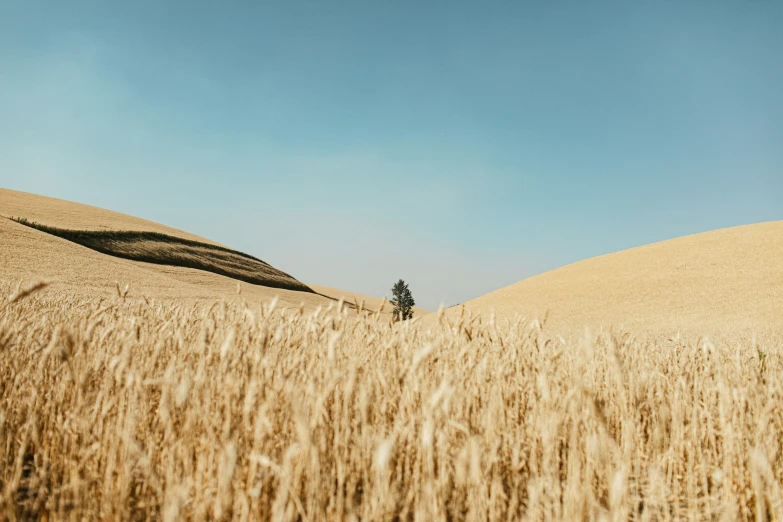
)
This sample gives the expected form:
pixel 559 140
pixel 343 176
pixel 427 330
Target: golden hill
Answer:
pixel 77 216
pixel 163 249
pixel 28 254
pixel 719 282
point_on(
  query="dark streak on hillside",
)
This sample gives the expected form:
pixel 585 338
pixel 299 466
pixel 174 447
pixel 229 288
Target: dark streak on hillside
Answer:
pixel 162 249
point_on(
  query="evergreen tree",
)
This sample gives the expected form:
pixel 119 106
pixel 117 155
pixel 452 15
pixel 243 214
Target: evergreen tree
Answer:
pixel 403 302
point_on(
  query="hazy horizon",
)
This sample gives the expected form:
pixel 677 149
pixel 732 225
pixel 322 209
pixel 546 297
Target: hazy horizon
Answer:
pixel 350 145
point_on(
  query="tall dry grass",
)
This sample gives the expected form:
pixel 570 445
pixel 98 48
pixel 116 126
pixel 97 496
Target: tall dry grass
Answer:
pixel 137 410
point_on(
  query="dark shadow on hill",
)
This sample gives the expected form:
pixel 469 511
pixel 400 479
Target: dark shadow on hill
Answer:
pixel 162 249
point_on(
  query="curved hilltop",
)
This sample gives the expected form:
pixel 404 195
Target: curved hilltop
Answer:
pixel 163 249
pixel 78 216
pixel 154 260
pixel 723 281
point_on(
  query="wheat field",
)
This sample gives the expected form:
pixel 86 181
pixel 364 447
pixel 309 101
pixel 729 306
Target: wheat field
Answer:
pixel 144 409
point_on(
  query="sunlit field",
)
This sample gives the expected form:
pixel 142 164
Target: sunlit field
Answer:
pixel 135 409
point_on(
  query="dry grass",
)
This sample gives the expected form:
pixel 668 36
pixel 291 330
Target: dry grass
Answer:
pixel 162 249
pixel 127 409
pixel 77 216
pixel 161 402
pixel 29 254
pixel 723 281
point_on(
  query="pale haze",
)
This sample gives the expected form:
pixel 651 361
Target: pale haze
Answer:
pixel 461 146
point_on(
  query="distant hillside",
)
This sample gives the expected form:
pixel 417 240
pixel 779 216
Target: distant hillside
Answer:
pixel 162 249
pixel 154 260
pixel 78 216
pixel 719 281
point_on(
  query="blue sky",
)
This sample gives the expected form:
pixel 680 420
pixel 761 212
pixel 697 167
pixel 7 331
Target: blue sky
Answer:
pixel 462 146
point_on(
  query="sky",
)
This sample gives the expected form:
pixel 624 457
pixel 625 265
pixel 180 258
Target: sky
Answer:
pixel 460 146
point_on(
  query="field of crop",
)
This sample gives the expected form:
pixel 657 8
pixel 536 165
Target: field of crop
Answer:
pixel 132 409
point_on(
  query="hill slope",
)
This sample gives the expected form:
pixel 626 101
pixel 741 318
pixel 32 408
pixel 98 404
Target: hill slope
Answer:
pixel 163 249
pixel 28 254
pixel 77 216
pixel 725 280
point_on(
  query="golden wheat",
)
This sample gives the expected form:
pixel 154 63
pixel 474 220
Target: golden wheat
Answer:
pixel 131 409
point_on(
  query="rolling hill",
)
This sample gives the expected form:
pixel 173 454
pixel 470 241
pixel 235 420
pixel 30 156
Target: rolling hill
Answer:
pixel 88 250
pixel 77 216
pixel 719 282
pixel 163 249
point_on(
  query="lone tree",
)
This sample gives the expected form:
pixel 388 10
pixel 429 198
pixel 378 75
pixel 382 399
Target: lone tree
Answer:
pixel 403 302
